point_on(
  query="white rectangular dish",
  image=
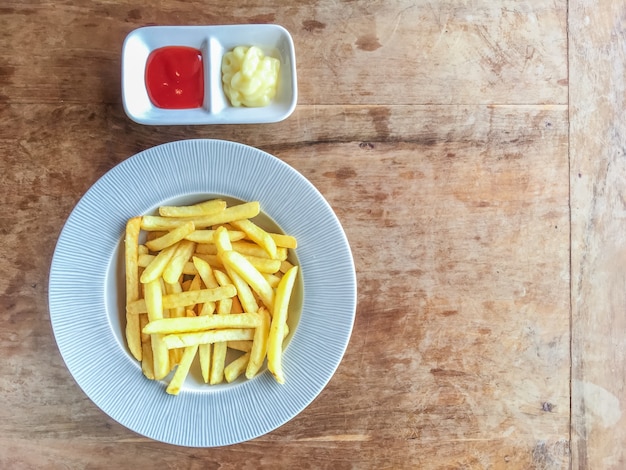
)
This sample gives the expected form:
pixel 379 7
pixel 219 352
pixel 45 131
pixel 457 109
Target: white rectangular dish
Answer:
pixel 213 42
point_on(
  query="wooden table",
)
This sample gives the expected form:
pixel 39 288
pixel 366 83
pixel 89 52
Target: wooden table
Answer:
pixel 475 153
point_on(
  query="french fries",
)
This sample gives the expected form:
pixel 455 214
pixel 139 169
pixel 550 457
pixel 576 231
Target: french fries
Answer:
pixel 186 298
pixel 259 344
pixel 131 260
pixel 172 237
pixel 213 206
pixel 257 235
pixel 250 275
pixel 279 322
pixel 193 324
pixel 207 282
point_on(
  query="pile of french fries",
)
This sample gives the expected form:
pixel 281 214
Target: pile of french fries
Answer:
pixel 207 279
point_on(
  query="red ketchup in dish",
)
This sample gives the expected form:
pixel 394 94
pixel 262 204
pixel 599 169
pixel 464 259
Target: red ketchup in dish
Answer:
pixel 175 77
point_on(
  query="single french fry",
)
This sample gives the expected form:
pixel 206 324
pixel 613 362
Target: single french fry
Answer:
pixel 245 299
pixel 279 322
pixel 264 265
pixel 238 263
pixel 182 370
pixel 205 353
pixel 174 268
pixel 154 307
pixel 222 241
pixel 168 326
pixel 187 298
pixel 174 357
pixel 182 340
pixel 171 237
pixel 218 362
pixel 236 367
pixel 206 272
pixel 257 235
pixel 147 360
pixel 156 267
pixel 212 206
pixel 247 210
pixel 259 344
pixel 205 237
pixel 153 299
pixel 131 256
pixel 284 241
pixel 249 249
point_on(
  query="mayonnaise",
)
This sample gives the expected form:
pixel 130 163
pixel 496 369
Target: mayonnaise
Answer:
pixel 249 77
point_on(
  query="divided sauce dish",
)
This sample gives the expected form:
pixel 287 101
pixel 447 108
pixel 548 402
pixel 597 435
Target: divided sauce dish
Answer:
pixel 212 42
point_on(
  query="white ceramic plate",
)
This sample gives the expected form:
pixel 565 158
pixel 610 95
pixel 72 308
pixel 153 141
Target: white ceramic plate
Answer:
pixel 86 293
pixel 213 42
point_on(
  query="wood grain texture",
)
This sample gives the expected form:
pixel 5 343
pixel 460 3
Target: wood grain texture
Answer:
pixel 399 52
pixel 461 336
pixel 438 132
pixel 598 152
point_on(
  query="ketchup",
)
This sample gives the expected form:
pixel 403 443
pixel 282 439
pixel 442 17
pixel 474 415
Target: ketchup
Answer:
pixel 175 77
